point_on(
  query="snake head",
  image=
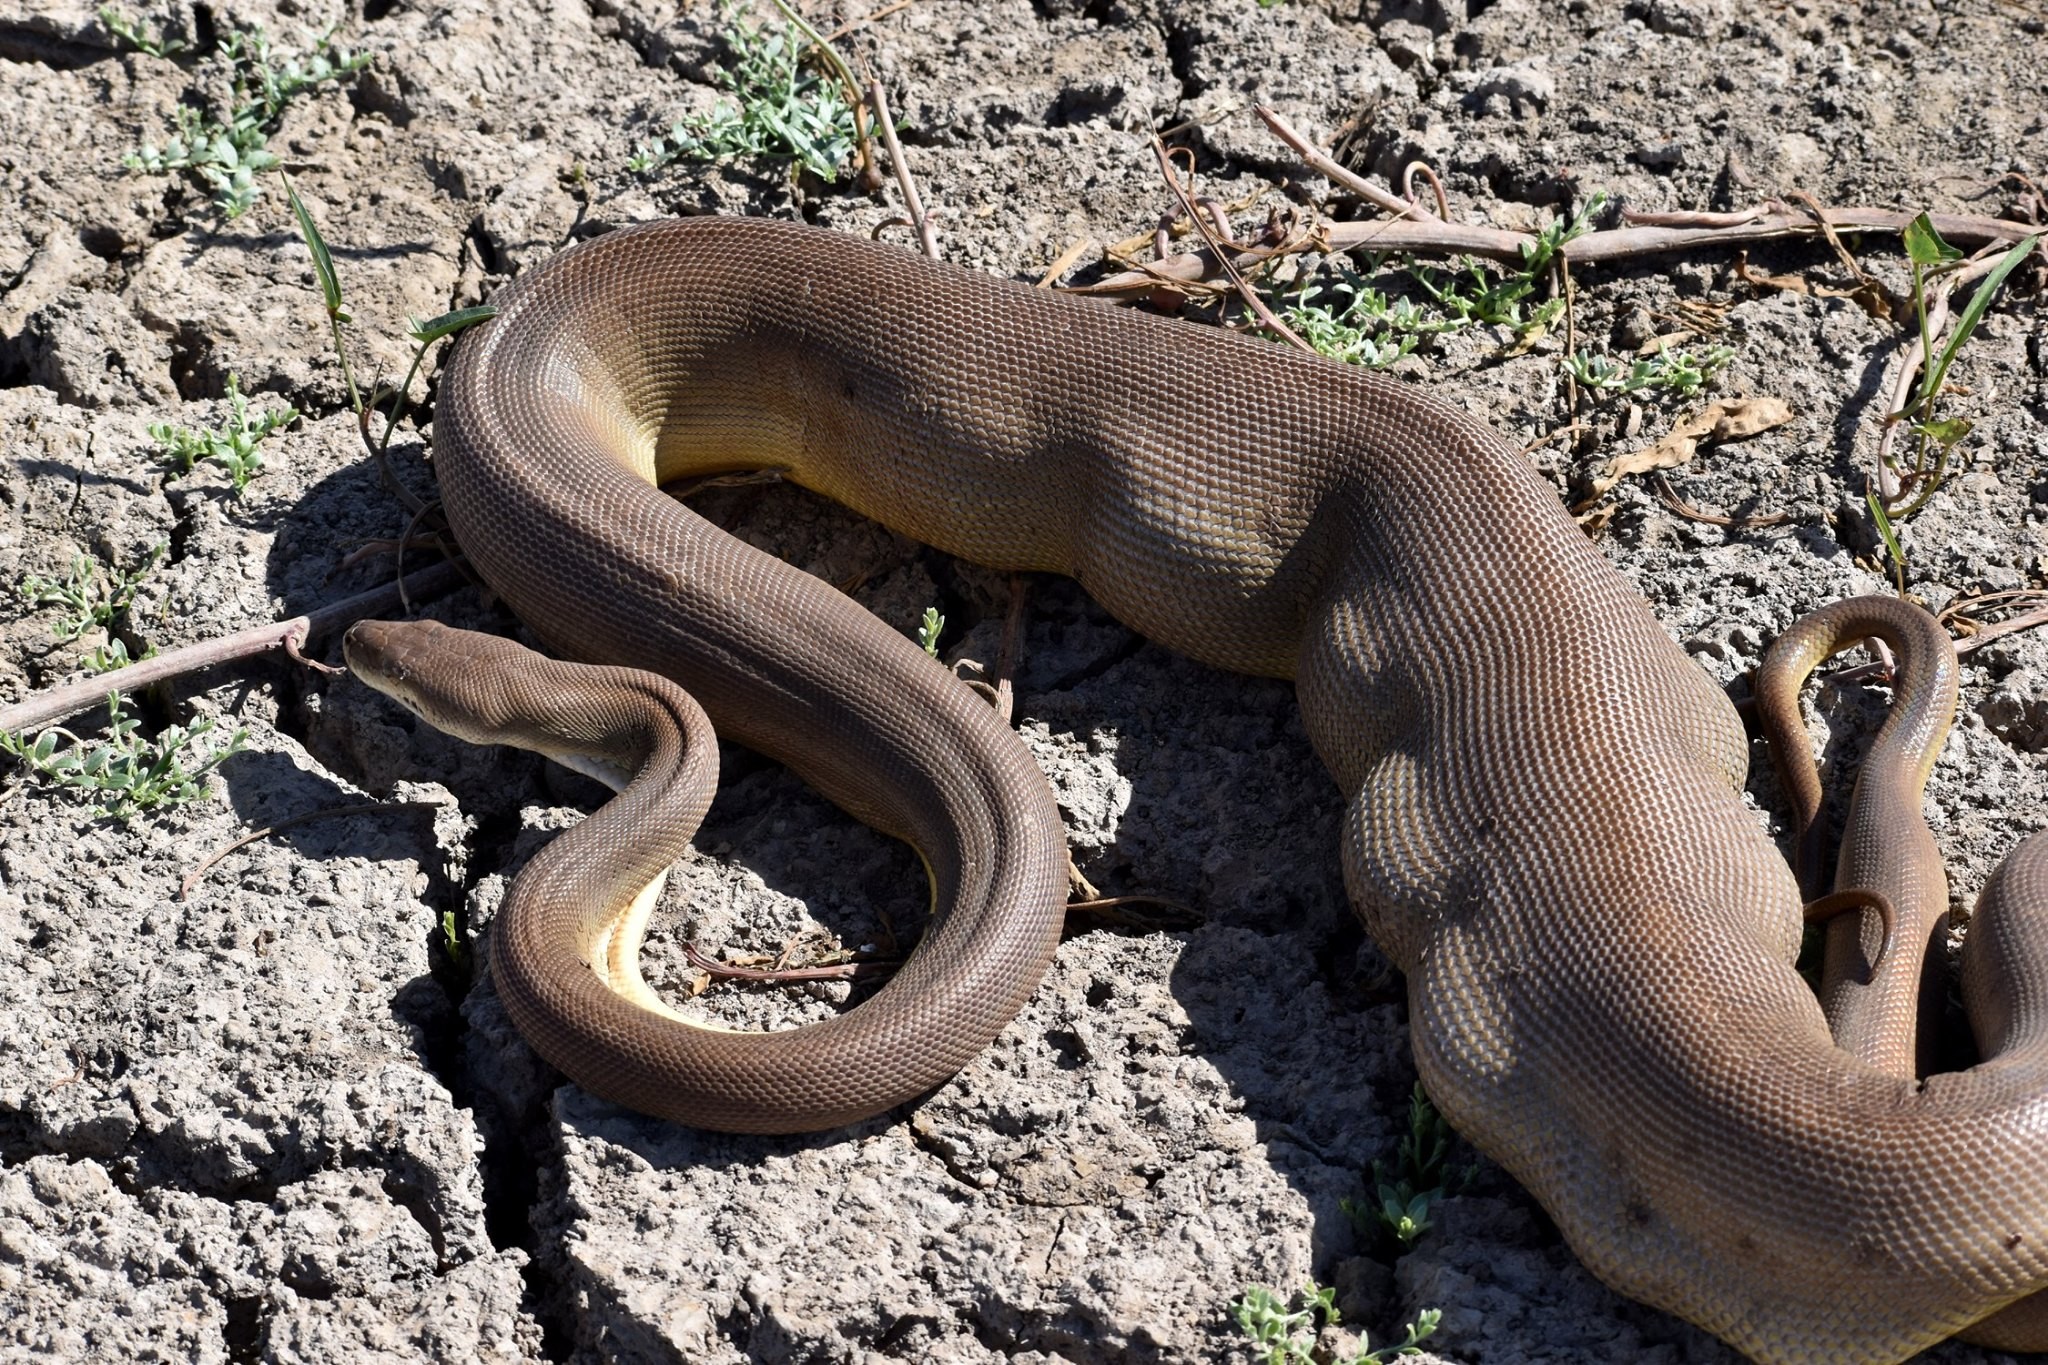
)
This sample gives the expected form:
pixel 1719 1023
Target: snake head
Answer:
pixel 452 679
pixel 487 689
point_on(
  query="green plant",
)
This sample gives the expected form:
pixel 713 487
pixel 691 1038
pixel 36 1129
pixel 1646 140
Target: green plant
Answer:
pixel 928 631
pixel 1403 1199
pixel 90 598
pixel 1679 371
pixel 231 445
pixel 1284 1336
pixel 777 108
pixel 127 773
pixel 1366 329
pixel 105 658
pixel 226 148
pixel 454 941
pixel 1348 320
pixel 1471 295
pixel 423 334
pixel 136 36
pixel 1889 534
pixel 1935 437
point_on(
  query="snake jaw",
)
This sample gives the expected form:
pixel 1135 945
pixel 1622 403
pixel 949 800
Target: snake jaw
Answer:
pixel 377 653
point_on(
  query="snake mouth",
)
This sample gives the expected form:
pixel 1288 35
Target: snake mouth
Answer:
pixel 424 666
pixel 377 653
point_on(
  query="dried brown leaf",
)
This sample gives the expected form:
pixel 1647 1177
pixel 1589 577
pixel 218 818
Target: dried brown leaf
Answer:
pixel 1728 419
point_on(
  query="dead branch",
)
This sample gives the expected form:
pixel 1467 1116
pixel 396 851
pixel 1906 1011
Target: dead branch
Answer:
pixel 1216 249
pixel 1413 230
pixel 927 235
pixel 61 703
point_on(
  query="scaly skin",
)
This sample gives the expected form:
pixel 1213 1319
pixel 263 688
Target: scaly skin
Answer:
pixel 1544 830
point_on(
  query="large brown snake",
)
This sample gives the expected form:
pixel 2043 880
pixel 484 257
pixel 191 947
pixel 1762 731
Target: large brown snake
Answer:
pixel 1545 831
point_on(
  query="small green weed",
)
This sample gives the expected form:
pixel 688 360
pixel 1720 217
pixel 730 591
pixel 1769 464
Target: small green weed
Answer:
pixel 1935 437
pixel 1402 1200
pixel 453 941
pixel 137 37
pixel 928 631
pixel 90 598
pixel 1681 372
pixel 231 445
pixel 423 334
pixel 1348 320
pixel 1471 295
pixel 226 148
pixel 124 772
pixel 777 109
pixel 105 658
pixel 1281 1336
pixel 1365 328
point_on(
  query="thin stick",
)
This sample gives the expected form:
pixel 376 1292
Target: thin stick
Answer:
pixel 842 971
pixel 1610 244
pixel 1443 203
pixel 1961 604
pixel 1667 495
pixel 1984 636
pixel 61 703
pixel 927 236
pixel 1332 169
pixel 1699 220
pixel 360 808
pixel 1100 904
pixel 884 12
pixel 1244 291
pixel 1064 262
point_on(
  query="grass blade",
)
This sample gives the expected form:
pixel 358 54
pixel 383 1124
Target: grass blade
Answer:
pixel 1891 539
pixel 323 263
pixel 448 324
pixel 1974 311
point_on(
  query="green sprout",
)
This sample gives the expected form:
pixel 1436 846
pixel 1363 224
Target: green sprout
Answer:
pixel 423 334
pixel 106 658
pixel 1680 372
pixel 137 37
pixel 126 773
pixel 1365 329
pixel 91 600
pixel 226 146
pixel 231 445
pixel 1404 1198
pixel 1471 295
pixel 1284 1336
pixel 1348 320
pixel 777 109
pixel 928 631
pixel 1935 437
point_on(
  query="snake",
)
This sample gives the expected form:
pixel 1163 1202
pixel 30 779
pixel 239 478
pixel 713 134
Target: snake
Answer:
pixel 1544 827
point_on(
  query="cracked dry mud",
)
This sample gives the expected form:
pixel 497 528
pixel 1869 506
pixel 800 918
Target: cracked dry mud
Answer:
pixel 272 1122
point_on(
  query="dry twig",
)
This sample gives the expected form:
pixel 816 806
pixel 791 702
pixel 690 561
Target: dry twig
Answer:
pixel 1412 229
pixel 1251 298
pixel 360 808
pixel 61 703
pixel 927 235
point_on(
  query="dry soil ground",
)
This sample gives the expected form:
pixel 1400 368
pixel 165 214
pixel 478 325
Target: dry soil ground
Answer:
pixel 275 1121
